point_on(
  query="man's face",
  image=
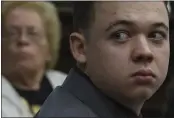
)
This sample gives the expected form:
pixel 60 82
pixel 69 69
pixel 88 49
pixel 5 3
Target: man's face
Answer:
pixel 128 50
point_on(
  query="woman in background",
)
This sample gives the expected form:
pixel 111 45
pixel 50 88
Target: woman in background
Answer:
pixel 30 44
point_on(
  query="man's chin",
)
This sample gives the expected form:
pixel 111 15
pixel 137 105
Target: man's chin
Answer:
pixel 143 93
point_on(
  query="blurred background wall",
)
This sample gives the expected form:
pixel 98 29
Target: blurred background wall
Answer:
pixel 66 60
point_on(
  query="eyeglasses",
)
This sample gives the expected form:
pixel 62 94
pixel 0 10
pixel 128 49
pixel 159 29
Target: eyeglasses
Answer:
pixel 34 36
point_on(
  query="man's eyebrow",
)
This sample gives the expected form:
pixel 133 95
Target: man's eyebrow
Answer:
pixel 160 24
pixel 119 22
pixel 131 23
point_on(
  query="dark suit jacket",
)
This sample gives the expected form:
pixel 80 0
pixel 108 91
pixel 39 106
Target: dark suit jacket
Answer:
pixel 170 104
pixel 78 97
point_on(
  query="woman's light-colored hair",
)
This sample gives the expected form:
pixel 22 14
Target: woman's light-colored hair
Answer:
pixel 52 24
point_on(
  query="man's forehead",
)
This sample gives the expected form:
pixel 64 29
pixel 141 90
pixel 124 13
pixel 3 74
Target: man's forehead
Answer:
pixel 135 11
pixel 113 6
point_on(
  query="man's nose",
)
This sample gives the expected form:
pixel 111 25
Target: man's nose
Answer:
pixel 141 51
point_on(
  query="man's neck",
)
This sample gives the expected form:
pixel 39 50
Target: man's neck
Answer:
pixel 134 105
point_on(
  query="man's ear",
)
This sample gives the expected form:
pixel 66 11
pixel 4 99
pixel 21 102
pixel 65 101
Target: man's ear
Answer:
pixel 77 46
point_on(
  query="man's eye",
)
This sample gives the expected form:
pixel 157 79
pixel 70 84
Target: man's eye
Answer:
pixel 157 36
pixel 120 35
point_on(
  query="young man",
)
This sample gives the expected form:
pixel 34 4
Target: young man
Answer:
pixel 122 53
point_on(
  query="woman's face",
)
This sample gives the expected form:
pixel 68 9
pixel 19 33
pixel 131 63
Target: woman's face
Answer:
pixel 24 42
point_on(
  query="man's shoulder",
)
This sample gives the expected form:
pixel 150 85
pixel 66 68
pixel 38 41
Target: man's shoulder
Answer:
pixel 62 103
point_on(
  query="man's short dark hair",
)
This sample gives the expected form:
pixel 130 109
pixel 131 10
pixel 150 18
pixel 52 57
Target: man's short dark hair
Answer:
pixel 83 14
